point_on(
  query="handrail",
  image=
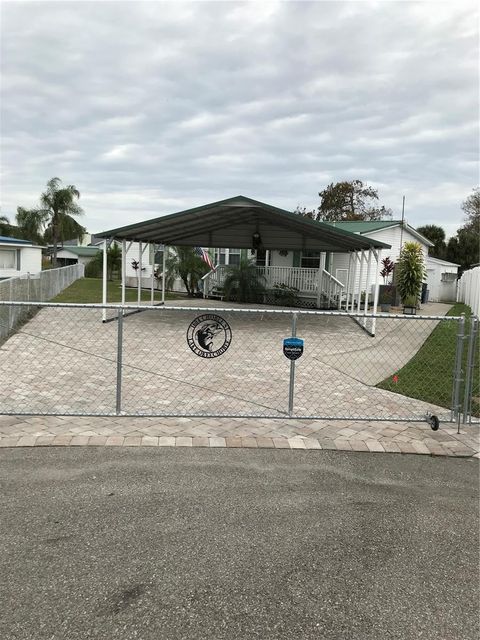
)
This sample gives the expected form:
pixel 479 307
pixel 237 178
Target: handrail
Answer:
pixel 209 272
pixel 331 277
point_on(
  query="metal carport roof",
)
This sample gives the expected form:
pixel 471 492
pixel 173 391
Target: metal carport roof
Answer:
pixel 232 223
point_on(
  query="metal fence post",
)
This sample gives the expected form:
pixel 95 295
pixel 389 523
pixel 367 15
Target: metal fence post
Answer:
pixel 118 405
pixel 291 386
pixel 458 371
pixel 467 396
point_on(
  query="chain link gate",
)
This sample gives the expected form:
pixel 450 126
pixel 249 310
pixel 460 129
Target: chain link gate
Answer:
pixel 60 359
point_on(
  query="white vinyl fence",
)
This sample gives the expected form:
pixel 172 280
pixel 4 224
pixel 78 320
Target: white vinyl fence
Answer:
pixel 468 290
pixel 33 287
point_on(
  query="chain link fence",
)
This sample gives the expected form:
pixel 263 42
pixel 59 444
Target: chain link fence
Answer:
pixel 172 361
pixel 38 287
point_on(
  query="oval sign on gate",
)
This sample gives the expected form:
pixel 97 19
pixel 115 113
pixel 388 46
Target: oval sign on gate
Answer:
pixel 293 348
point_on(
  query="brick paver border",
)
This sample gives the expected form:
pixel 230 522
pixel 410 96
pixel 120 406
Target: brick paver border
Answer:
pixel 296 443
pixel 235 433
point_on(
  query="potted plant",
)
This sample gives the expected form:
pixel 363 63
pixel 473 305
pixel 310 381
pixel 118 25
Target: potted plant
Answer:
pixel 387 291
pixel 410 274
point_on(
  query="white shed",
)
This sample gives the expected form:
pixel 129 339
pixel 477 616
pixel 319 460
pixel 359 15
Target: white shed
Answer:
pixel 442 279
pixel 19 257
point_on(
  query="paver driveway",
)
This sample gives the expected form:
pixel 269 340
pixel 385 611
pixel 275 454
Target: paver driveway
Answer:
pixel 64 361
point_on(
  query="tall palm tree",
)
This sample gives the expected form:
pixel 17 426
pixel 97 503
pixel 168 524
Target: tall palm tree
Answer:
pixel 58 203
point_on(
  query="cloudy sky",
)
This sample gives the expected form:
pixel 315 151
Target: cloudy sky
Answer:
pixel 149 108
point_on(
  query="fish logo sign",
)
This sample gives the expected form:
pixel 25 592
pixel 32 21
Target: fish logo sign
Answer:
pixel 209 336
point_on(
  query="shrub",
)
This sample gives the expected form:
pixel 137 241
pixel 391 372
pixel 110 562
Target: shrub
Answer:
pixel 410 273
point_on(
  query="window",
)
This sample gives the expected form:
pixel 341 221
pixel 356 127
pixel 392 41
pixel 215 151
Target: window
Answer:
pixel 8 259
pixel 310 260
pixel 449 277
pixel 227 256
pixel 220 256
pixel 234 256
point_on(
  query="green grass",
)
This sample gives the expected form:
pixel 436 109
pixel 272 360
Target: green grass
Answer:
pixel 89 290
pixel 428 375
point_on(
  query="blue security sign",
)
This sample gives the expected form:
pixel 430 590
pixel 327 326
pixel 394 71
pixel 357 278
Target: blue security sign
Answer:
pixel 293 348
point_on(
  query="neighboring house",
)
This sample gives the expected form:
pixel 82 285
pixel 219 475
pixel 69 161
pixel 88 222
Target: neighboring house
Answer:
pixel 442 279
pixel 68 254
pixel 19 257
pixel 87 240
pixel 150 259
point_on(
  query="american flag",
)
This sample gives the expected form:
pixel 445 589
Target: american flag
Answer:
pixel 201 253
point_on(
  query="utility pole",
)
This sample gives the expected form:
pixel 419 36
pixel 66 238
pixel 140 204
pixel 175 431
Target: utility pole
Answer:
pixel 401 226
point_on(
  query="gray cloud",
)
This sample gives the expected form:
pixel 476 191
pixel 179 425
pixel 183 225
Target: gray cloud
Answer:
pixel 153 107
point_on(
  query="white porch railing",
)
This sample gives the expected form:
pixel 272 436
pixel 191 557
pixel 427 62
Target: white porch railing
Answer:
pixel 311 283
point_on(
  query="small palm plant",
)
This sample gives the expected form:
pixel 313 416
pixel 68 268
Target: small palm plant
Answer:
pixel 243 282
pixel 186 264
pixel 410 273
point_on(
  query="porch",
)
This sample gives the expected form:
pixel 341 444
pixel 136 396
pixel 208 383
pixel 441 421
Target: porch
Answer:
pixel 314 287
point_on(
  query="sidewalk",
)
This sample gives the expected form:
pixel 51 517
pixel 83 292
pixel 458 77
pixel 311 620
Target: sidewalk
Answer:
pixel 381 437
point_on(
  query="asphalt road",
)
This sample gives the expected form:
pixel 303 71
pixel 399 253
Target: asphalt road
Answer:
pixel 168 544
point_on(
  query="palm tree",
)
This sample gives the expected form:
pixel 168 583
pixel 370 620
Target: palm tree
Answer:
pixel 59 206
pixel 436 235
pixel 186 264
pixel 31 223
pixel 243 282
pixel 114 259
pixel 4 226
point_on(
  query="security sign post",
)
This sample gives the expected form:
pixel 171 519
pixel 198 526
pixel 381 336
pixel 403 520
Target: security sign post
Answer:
pixel 292 349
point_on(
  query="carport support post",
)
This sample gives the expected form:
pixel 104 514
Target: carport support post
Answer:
pixel 367 286
pixel 378 258
pixel 360 278
pixel 139 271
pixel 355 258
pixel 164 262
pixel 291 387
pixel 118 403
pixel 349 279
pixel 124 268
pixel 104 281
pixel 153 275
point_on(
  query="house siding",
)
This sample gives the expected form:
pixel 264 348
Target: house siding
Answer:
pixel 391 236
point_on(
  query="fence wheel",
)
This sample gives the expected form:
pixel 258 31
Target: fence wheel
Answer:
pixel 433 421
